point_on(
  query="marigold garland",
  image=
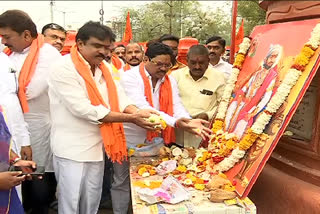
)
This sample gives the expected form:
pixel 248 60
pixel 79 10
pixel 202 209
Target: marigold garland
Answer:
pixel 217 125
pixel 247 141
pixel 239 60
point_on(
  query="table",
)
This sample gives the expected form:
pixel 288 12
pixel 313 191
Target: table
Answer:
pixel 199 203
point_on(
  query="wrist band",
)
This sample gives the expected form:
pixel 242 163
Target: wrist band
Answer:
pixel 14 160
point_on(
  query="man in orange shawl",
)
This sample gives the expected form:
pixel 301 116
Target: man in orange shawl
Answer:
pixel 149 86
pixel 134 56
pixel 88 108
pixel 31 59
pixel 120 51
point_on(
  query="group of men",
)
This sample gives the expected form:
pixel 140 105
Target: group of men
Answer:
pixel 79 109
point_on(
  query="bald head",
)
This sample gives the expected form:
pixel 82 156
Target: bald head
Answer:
pixel 198 50
pixel 198 61
pixel 134 54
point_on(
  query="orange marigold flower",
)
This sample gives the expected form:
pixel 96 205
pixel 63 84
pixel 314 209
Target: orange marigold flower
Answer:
pixel 248 140
pixel 142 170
pixel 199 186
pixel 239 59
pixel 217 125
pixel 307 51
pixel 301 60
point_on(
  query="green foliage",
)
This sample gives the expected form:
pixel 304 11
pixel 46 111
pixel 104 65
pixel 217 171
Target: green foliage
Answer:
pixel 186 18
pixel 252 14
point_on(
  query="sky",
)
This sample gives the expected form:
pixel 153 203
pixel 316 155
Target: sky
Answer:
pixel 76 13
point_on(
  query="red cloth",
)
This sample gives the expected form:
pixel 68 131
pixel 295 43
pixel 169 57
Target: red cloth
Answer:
pixel 239 37
pixel 116 61
pixel 127 36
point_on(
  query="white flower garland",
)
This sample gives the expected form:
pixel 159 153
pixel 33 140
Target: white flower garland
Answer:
pixel 230 161
pixel 314 40
pixel 223 106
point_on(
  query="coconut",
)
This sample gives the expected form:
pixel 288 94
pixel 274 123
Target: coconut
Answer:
pixel 185 154
pixel 176 152
pixel 185 161
pixel 219 195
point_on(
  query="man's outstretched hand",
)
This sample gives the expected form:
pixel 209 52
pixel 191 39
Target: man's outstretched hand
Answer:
pixel 195 126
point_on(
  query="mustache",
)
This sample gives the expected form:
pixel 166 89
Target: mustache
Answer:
pixel 132 58
pixel 101 55
pixel 9 46
pixel 212 53
pixel 107 58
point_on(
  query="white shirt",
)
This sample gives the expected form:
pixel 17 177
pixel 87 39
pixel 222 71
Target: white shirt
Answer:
pixel 133 84
pixel 11 105
pixel 75 121
pixel 2 46
pixel 38 117
pixel 224 67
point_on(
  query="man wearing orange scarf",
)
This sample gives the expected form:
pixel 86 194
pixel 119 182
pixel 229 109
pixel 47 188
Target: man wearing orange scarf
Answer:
pixel 31 59
pixel 149 86
pixel 134 56
pixel 88 108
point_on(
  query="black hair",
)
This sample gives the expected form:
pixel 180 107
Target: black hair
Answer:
pixel 221 41
pixel 18 21
pixel 96 30
pixel 166 37
pixel 157 48
pixel 198 50
pixel 53 26
pixel 120 45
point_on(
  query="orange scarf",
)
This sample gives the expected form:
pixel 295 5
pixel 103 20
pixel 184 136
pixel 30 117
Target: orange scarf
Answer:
pixel 126 67
pixel 116 61
pixel 166 104
pixel 112 133
pixel 27 70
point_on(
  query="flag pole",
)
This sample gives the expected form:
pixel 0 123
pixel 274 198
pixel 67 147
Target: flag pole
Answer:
pixel 233 30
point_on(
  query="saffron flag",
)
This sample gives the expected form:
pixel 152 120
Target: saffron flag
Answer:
pixel 127 36
pixel 239 37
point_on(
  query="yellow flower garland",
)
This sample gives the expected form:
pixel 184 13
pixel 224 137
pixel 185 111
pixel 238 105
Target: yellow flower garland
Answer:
pixel 217 125
pixel 227 148
pixel 239 60
pixel 307 51
pixel 248 140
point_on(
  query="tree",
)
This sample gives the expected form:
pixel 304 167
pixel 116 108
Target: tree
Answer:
pixel 252 14
pixel 180 18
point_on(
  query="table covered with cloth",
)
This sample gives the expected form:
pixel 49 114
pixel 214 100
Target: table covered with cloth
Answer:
pixel 198 203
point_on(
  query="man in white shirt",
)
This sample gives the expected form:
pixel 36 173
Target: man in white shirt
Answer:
pixel 55 35
pixel 10 102
pixel 32 58
pixel 216 46
pixel 133 57
pixel 81 124
pixel 149 87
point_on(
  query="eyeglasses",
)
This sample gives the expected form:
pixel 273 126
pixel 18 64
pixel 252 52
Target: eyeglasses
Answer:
pixel 160 64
